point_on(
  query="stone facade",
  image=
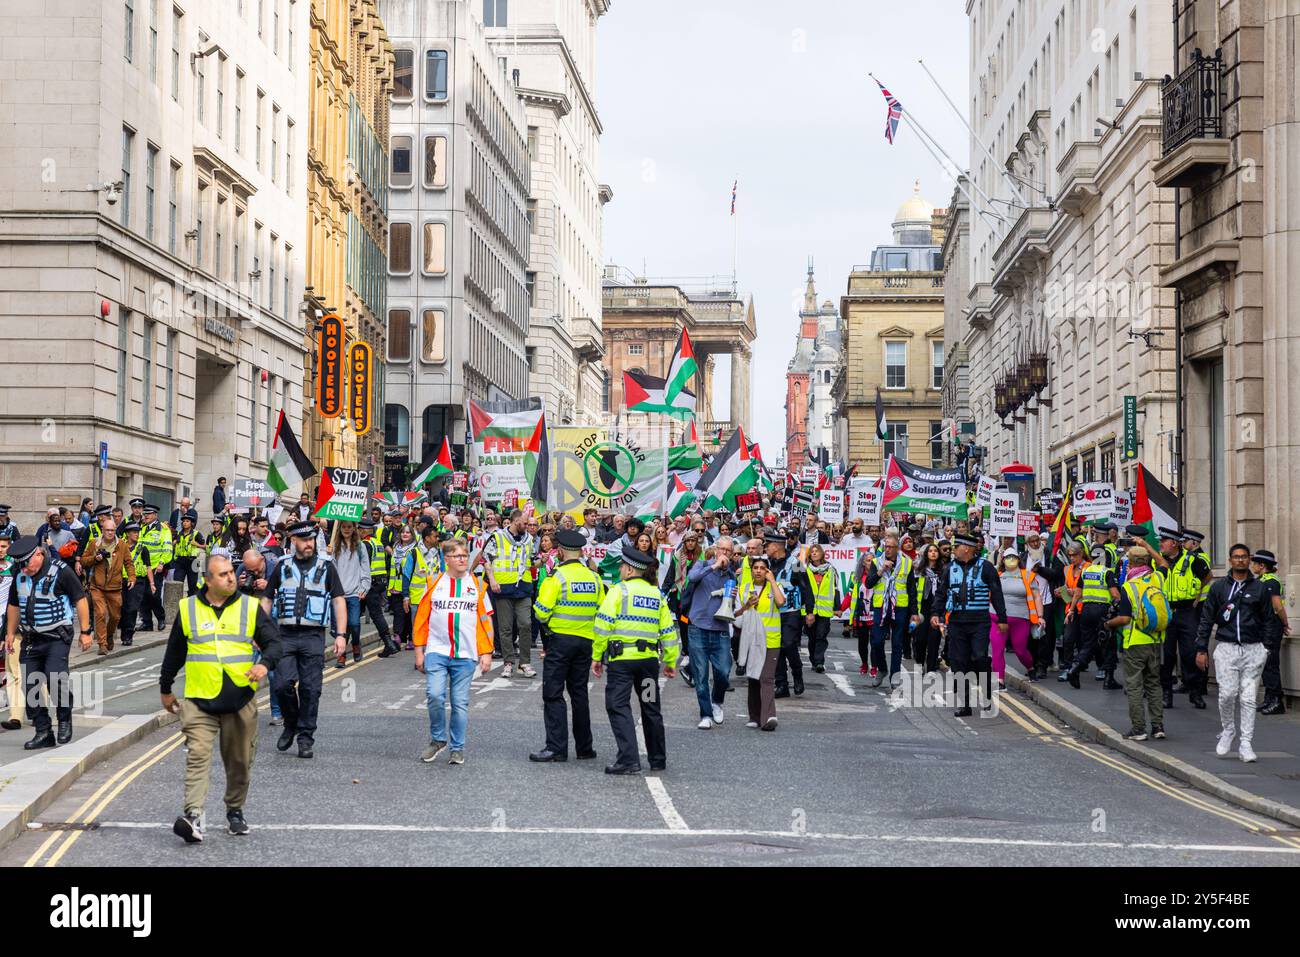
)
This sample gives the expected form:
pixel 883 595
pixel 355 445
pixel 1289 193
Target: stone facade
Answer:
pixel 136 322
pixel 956 282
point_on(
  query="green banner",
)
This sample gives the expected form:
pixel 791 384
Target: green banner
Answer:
pixel 1130 428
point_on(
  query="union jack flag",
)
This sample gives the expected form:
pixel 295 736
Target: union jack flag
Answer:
pixel 895 112
pixel 733 197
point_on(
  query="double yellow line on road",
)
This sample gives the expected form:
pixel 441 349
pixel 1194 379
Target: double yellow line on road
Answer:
pixel 1031 721
pixel 115 785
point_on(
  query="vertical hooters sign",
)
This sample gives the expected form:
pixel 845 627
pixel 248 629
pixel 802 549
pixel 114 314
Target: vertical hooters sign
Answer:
pixel 329 367
pixel 359 380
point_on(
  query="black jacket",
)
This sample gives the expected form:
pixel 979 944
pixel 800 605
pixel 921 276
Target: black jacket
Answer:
pixel 989 574
pixel 1247 621
pixel 232 697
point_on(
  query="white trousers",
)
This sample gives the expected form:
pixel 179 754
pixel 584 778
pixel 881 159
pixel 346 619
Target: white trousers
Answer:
pixel 1237 669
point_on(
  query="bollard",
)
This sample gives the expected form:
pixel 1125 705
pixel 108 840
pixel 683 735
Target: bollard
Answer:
pixel 173 592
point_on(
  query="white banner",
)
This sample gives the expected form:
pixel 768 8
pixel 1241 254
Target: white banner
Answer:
pixel 1122 511
pixel 831 508
pixel 1093 500
pixel 864 503
pixel 1002 515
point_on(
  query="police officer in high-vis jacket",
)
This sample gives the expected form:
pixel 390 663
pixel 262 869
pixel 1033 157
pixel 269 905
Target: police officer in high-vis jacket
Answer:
pixel 156 537
pixel 566 608
pixel 214 638
pixel 304 596
pixel 376 597
pixel 634 629
pixel 1186 585
pixel 46 605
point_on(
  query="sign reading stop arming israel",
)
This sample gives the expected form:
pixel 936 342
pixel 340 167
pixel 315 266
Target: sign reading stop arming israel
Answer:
pixel 864 503
pixel 831 508
pixel 1002 514
pixel 343 494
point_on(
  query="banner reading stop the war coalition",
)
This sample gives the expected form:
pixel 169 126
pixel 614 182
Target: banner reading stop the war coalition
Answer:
pixel 911 488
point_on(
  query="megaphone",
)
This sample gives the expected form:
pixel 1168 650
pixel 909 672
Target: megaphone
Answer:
pixel 727 610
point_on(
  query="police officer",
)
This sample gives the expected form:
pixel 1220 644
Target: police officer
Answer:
pixel 7 525
pixel 566 608
pixel 1087 616
pixel 188 547
pixel 970 587
pixel 46 604
pixel 378 592
pixel 1186 585
pixel 1263 565
pixel 137 511
pixel 789 574
pixel 214 637
pixel 300 595
pixel 136 589
pixel 157 537
pixel 633 630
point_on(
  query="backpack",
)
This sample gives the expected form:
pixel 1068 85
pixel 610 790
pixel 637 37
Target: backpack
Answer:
pixel 1151 611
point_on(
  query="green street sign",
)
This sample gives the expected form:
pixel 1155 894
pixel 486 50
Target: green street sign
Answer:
pixel 1130 428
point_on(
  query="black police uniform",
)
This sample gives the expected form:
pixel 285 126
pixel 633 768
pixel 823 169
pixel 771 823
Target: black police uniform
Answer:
pixel 968 591
pixel 134 599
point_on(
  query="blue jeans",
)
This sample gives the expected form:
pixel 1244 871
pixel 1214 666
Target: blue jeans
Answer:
pixel 894 629
pixel 709 648
pixel 354 619
pixel 439 671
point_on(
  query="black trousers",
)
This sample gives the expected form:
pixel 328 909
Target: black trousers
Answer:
pixel 624 679
pixel 45 671
pixel 566 665
pixel 1085 636
pixel 133 605
pixel 153 600
pixel 968 653
pixel 792 624
pixel 298 678
pixel 862 632
pixel 375 606
pixel 925 645
pixel 1273 666
pixel 402 619
pixel 818 639
pixel 1180 649
pixel 183 571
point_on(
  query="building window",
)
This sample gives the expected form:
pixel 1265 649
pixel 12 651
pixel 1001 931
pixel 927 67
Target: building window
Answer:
pixel 239 111
pixel 532 216
pixel 128 147
pixel 435 162
pixel 936 444
pixel 530 286
pixel 221 95
pixel 403 75
pixel 435 75
pixel 1072 472
pixel 432 336
pixel 532 142
pixel 397 427
pixel 896 262
pixel 636 348
pixel 288 157
pixel 275 27
pixel 604 389
pixel 1056 478
pixel 198 224
pixel 1108 463
pixel 435 249
pixel 435 428
pixel 399 249
pixel 147 394
pixel 494 13
pixel 169 381
pixel 285 297
pixel 275 142
pixel 1089 466
pixel 200 93
pixel 153 42
pixel 176 54
pixel 150 188
pixel 827 422
pixel 936 364
pixel 399 335
pixel 123 362
pixel 252 416
pixel 173 206
pixel 895 365
pixel 896 440
pixel 219 234
pixel 400 176
pixel 128 38
pixel 270 286
pixel 257 121
pixel 293 13
pixel 237 247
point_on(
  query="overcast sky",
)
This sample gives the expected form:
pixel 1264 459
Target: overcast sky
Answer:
pixel 695 94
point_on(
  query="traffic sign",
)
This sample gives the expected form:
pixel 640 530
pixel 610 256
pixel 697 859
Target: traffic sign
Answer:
pixel 103 456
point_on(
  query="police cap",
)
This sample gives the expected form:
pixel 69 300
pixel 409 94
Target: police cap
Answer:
pixel 136 503
pixel 571 539
pixel 130 527
pixel 302 530
pixel 635 558
pixel 22 549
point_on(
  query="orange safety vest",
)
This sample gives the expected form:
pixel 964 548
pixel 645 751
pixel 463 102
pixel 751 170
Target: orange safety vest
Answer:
pixel 1027 576
pixel 1072 582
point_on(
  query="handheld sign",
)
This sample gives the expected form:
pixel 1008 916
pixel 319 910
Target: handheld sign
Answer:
pixel 832 506
pixel 1002 514
pixel 864 503
pixel 343 494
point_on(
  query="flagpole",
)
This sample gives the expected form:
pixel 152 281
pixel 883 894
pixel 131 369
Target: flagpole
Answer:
pixel 978 142
pixel 735 243
pixel 987 198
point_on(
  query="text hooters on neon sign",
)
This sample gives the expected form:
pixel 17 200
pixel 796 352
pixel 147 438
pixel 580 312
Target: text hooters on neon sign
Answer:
pixel 329 376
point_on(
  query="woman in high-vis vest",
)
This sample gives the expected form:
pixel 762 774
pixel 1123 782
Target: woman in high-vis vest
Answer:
pixel 825 584
pixel 1026 595
pixel 761 595
pixel 397 606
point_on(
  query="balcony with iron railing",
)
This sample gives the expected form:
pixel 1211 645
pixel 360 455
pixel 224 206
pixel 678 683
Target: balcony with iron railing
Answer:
pixel 1192 138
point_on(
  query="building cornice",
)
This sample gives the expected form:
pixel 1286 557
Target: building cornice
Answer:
pixel 549 35
pixel 558 103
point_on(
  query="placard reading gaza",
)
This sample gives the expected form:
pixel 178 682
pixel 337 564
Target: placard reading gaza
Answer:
pixel 1093 500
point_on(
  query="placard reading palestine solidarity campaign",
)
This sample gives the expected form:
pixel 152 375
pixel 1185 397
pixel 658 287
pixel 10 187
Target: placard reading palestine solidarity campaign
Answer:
pixel 911 488
pixel 343 494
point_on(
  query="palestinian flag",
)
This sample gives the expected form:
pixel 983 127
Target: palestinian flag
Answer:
pixel 680 498
pixel 289 464
pixel 647 393
pixel 1154 507
pixel 435 465
pixel 681 368
pixel 504 420
pixel 537 464
pixel 399 499
pixel 731 472
pixel 764 476
pixel 882 426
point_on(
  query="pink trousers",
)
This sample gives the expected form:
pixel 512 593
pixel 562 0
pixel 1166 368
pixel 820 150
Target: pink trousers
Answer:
pixel 1018 631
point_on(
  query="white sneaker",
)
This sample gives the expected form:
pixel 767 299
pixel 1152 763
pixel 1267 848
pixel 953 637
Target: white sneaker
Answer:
pixel 705 724
pixel 717 714
pixel 507 671
pixel 751 724
pixel 1225 743
pixel 527 671
pixel 1246 752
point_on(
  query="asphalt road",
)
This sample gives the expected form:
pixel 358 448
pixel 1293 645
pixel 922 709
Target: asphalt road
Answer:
pixel 846 779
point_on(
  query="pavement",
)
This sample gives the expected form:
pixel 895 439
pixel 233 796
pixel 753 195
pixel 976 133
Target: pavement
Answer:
pixel 1269 786
pixel 851 776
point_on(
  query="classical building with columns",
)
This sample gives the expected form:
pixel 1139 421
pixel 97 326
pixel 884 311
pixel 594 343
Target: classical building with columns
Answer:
pixel 892 329
pixel 643 320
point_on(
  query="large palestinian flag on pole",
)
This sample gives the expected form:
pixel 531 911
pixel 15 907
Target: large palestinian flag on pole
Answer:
pixel 289 465
pixel 911 488
pixel 647 393
pixel 681 368
pixel 508 443
pixel 1154 507
pixel 731 473
pixel 435 464
pixel 764 476
pixel 680 498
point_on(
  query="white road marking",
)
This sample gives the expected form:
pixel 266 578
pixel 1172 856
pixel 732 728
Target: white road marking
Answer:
pixel 962 722
pixel 837 666
pixel 842 682
pixel 664 803
pixel 496 684
pixel 143 681
pixel 399 702
pixel 129 674
pixel 738 833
